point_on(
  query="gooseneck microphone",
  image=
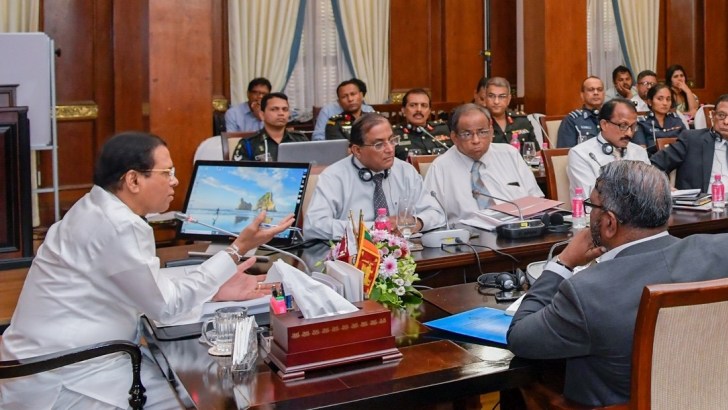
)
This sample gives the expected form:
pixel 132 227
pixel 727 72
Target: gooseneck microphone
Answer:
pixel 435 140
pixel 188 218
pixel 594 158
pixel 525 228
pixel 445 236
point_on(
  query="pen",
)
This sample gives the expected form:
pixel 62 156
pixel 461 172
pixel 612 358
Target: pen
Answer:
pixel 293 228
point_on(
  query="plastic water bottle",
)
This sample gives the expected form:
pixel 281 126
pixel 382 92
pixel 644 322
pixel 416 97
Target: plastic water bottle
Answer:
pixel 382 221
pixel 578 218
pixel 515 142
pixel 717 191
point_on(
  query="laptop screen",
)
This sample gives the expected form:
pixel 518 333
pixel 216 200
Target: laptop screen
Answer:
pixel 229 194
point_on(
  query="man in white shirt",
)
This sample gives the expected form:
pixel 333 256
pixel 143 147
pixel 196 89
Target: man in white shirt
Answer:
pixel 475 163
pixel 97 271
pixel 618 122
pixel 645 80
pixel 623 84
pixel 368 179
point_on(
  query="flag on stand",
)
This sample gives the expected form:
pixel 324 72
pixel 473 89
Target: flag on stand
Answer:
pixel 367 258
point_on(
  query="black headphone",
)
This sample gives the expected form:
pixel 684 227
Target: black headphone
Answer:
pixel 366 174
pixel 608 148
pixel 504 281
pixel 555 222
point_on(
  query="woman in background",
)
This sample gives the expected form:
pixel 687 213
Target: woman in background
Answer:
pixel 685 101
pixel 660 121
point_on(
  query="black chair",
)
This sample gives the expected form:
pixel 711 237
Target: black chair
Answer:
pixel 24 367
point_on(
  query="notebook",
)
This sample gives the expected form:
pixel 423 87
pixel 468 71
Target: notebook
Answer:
pixel 316 152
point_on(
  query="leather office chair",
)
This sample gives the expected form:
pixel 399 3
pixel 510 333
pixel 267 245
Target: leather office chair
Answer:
pixel 24 367
pixel 550 125
pixel 663 142
pixel 230 141
pixel 555 162
pixel 678 353
pixel 422 163
pixel 218 122
pixel 702 117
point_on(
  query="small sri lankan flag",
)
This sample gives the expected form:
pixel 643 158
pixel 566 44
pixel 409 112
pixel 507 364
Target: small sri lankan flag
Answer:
pixel 367 258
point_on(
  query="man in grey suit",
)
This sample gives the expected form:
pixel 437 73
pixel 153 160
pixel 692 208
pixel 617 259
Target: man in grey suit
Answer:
pixel 588 318
pixel 698 154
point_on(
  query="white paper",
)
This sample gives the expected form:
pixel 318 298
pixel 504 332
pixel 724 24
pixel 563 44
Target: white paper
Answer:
pixel 685 192
pixel 488 219
pixel 351 277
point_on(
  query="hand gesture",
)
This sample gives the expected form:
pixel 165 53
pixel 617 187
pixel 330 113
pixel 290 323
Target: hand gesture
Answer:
pixel 581 250
pixel 253 236
pixel 242 286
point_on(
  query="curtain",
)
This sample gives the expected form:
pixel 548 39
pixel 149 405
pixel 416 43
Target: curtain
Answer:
pixel 638 24
pixel 320 66
pixel 19 15
pixel 264 42
pixel 603 51
pixel 364 32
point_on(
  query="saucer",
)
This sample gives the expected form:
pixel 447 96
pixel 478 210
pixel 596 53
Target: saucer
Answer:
pixel 216 352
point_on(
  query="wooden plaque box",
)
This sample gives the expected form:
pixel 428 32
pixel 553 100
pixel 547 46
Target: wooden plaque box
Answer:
pixel 305 344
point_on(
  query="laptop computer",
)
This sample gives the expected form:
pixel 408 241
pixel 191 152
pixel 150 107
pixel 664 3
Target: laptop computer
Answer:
pixel 315 152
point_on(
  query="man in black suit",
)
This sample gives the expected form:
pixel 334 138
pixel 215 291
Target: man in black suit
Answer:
pixel 589 318
pixel 698 154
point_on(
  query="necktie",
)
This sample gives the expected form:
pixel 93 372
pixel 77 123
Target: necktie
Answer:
pixel 380 200
pixel 476 183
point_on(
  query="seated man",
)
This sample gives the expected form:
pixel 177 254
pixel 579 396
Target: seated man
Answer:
pixel 369 179
pixel 246 117
pixel 419 133
pixel 582 124
pixel 495 95
pixel 477 165
pixel 350 99
pixel 97 271
pixel 645 80
pixel 623 84
pixel 618 121
pixel 698 155
pixel 263 146
pixel 589 318
pixel 334 108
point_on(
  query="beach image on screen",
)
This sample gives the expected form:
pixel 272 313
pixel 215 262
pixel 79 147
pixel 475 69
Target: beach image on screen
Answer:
pixel 229 197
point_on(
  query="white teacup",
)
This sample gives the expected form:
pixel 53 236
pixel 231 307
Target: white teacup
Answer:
pixel 224 323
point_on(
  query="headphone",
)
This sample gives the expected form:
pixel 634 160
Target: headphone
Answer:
pixel 366 174
pixel 504 281
pixel 555 223
pixel 608 148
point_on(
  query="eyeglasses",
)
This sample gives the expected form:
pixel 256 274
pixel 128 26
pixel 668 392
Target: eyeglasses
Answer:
pixel 468 134
pixel 171 172
pixel 497 97
pixel 719 115
pixel 625 127
pixel 588 205
pixel 646 83
pixel 378 146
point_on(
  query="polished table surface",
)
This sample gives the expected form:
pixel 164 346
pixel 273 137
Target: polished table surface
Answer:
pixel 436 367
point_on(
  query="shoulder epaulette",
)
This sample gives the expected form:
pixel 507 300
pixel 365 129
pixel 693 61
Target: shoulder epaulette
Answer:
pixel 576 113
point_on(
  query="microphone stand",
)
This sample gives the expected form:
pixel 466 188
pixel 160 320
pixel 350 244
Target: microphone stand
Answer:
pixel 435 140
pixel 445 236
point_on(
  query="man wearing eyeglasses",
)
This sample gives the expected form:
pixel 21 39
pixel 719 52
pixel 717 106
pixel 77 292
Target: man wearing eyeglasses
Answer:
pixel 588 316
pixel 618 123
pixel 496 97
pixel 645 80
pixel 476 164
pixel 247 117
pixel 698 155
pixel 583 124
pixel 368 179
pixel 97 271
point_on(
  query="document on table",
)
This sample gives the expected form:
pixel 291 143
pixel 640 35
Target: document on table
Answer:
pixel 481 323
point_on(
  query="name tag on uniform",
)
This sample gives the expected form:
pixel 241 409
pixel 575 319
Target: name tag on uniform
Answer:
pixel 403 143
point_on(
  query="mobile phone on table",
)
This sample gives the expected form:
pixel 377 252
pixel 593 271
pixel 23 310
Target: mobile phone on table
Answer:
pixel 508 296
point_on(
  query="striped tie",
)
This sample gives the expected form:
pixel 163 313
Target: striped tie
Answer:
pixel 380 200
pixel 476 183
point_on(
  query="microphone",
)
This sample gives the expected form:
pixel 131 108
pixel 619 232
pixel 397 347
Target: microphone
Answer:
pixel 447 236
pixel 435 140
pixel 525 228
pixel 594 158
pixel 188 218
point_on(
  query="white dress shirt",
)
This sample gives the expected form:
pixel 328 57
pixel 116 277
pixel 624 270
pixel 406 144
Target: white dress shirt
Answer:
pixel 720 162
pixel 94 274
pixel 505 175
pixel 583 170
pixel 339 190
pixel 640 104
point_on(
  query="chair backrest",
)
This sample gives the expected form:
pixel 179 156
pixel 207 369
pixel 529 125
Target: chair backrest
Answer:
pixel 422 163
pixel 33 365
pixel 209 149
pixel 679 356
pixel 555 163
pixel 702 117
pixel 230 141
pixel 393 112
pixel 663 142
pixel 550 124
pixel 535 120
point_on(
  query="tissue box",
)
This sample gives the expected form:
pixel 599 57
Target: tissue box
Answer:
pixel 305 344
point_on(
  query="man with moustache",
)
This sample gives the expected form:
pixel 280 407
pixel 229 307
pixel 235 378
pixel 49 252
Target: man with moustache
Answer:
pixel 350 98
pixel 588 318
pixel 583 122
pixel 618 122
pixel 623 84
pixel 97 272
pixel 246 117
pixel 263 146
pixel 645 80
pixel 367 180
pixel 419 133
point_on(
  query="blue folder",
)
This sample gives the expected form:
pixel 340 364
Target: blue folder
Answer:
pixel 482 323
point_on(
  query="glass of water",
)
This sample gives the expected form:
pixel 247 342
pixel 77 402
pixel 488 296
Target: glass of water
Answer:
pixel 529 151
pixel 406 221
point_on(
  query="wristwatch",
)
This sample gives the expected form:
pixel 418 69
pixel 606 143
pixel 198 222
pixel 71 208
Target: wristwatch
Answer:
pixel 558 262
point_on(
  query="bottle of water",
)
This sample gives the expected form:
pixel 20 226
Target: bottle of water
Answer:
pixel 515 142
pixel 717 191
pixel 382 221
pixel 578 218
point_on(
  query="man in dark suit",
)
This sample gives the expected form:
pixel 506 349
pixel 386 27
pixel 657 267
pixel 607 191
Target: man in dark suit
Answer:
pixel 589 318
pixel 698 154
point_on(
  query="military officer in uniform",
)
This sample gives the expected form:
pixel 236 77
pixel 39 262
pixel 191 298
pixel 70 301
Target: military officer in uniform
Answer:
pixel 419 135
pixel 660 121
pixel 263 146
pixel 350 99
pixel 583 122
pixel 506 123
